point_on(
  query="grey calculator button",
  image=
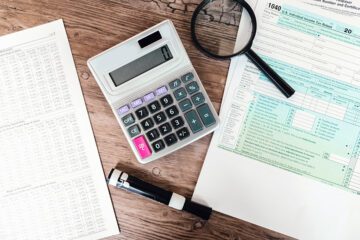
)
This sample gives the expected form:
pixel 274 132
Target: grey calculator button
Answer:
pixel 185 105
pixel 158 145
pixel 187 77
pixel 174 84
pixel 177 122
pixel 165 128
pixel 170 139
pixel 159 117
pixel 134 130
pixel 192 87
pixel 180 94
pixel 198 99
pixel 153 134
pixel 128 119
pixel 183 133
pixel 172 111
pixel 141 113
pixel 166 100
pixel 147 124
pixel 193 121
pixel 206 116
pixel 154 106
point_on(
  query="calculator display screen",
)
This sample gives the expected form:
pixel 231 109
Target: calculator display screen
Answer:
pixel 141 65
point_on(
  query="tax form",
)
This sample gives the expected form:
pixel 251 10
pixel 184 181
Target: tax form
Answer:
pixel 51 181
pixel 347 7
pixel 291 165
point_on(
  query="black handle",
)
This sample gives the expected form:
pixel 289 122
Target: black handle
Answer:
pixel 197 209
pixel 280 83
pixel 148 190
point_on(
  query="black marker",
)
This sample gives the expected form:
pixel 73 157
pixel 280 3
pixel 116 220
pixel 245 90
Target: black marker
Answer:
pixel 122 180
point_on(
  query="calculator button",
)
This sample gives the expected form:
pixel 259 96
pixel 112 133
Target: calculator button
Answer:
pixel 167 100
pixel 170 139
pixel 174 84
pixel 159 117
pixel 141 113
pixel 187 77
pixel 177 122
pixel 158 145
pixel 134 130
pixel 183 133
pixel 165 128
pixel 142 147
pixel 148 97
pixel 123 109
pixel 136 103
pixel 193 121
pixel 172 111
pixel 206 115
pixel 198 99
pixel 161 90
pixel 152 135
pixel 185 105
pixel 154 106
pixel 180 94
pixel 147 124
pixel 128 119
pixel 192 87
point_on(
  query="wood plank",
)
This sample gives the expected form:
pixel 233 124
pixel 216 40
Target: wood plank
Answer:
pixel 93 26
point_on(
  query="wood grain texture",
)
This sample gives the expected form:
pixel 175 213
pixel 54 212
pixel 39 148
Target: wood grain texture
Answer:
pixel 93 26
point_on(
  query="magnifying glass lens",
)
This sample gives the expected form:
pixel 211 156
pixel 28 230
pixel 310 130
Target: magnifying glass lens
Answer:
pixel 218 24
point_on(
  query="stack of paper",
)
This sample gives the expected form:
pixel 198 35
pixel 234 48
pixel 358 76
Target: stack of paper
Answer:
pixel 51 181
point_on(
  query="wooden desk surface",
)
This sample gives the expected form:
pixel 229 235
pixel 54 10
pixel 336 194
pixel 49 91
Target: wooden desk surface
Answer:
pixel 93 26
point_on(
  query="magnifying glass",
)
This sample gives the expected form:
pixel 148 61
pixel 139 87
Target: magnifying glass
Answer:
pixel 215 26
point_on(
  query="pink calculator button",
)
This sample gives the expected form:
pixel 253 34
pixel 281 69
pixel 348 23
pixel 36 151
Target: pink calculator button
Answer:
pixel 142 147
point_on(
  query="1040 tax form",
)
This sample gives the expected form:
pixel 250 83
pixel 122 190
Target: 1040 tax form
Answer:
pixel 293 164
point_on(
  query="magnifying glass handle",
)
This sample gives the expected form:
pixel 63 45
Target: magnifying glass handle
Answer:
pixel 280 83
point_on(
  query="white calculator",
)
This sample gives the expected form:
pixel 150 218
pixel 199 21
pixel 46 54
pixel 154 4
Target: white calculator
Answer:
pixel 154 92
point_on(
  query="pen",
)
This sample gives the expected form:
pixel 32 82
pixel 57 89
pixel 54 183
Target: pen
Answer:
pixel 122 180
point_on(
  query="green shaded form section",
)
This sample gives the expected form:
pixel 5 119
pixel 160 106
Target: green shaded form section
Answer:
pixel 320 87
pixel 311 24
pixel 326 147
pixel 267 135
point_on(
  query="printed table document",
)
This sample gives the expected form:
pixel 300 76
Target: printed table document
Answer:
pixel 51 181
pixel 291 165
